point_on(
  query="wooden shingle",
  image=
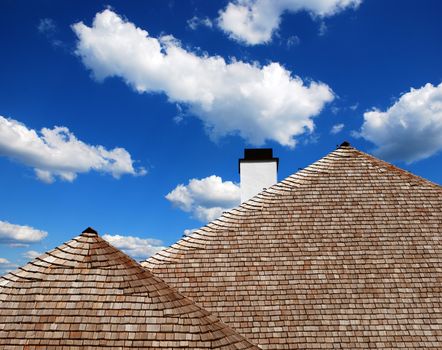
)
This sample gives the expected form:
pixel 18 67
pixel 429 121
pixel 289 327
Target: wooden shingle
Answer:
pixel 86 294
pixel 344 254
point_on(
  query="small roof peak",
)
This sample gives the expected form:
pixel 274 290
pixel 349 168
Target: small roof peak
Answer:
pixel 90 270
pixel 90 231
pixel 345 144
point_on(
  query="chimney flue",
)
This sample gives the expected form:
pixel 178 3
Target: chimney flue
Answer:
pixel 258 170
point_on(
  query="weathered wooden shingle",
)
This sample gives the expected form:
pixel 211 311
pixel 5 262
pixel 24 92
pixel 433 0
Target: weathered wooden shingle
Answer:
pixel 345 254
pixel 86 294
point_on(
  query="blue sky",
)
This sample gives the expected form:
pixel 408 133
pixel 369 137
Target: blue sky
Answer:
pixel 101 122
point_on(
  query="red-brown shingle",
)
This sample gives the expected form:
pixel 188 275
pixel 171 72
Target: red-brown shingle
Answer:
pixel 86 294
pixel 345 254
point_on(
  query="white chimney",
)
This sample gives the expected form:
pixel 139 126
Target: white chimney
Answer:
pixel 258 170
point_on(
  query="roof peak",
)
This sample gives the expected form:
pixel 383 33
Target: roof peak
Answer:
pixel 345 144
pixel 86 251
pixel 90 271
pixel 90 232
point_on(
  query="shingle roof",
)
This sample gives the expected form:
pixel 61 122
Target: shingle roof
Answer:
pixel 343 254
pixel 86 294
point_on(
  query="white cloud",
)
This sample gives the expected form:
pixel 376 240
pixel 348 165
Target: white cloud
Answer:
pixel 135 246
pixel 6 266
pixel 410 129
pixel 196 22
pixel 254 22
pixel 10 233
pixel 337 128
pixel 189 231
pixel 258 103
pixel 206 198
pixel 31 254
pixel 58 153
pixel 204 214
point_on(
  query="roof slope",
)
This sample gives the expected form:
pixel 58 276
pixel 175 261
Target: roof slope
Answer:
pixel 88 294
pixel 343 254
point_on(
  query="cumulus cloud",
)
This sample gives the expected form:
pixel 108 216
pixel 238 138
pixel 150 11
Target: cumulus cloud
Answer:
pixel 10 233
pixel 206 198
pixel 58 153
pixel 337 128
pixel 135 246
pixel 257 102
pixel 31 254
pixel 254 22
pixel 410 129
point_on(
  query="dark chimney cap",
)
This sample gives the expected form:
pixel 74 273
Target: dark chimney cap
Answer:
pixel 90 230
pixel 258 155
pixel 345 144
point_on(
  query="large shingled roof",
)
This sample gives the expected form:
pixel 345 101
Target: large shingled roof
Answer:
pixel 344 254
pixel 86 294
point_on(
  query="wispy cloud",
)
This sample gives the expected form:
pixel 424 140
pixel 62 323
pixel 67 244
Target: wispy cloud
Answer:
pixel 31 254
pixel 48 28
pixel 410 129
pixel 292 41
pixel 254 22
pixel 6 266
pixel 11 233
pixel 135 246
pixel 4 261
pixel 58 153
pixel 205 198
pixel 258 103
pixel 336 129
pixel 354 106
pixel 322 29
pixel 46 25
pixel 196 22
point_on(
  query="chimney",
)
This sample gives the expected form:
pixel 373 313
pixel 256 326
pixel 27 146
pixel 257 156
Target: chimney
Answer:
pixel 258 170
